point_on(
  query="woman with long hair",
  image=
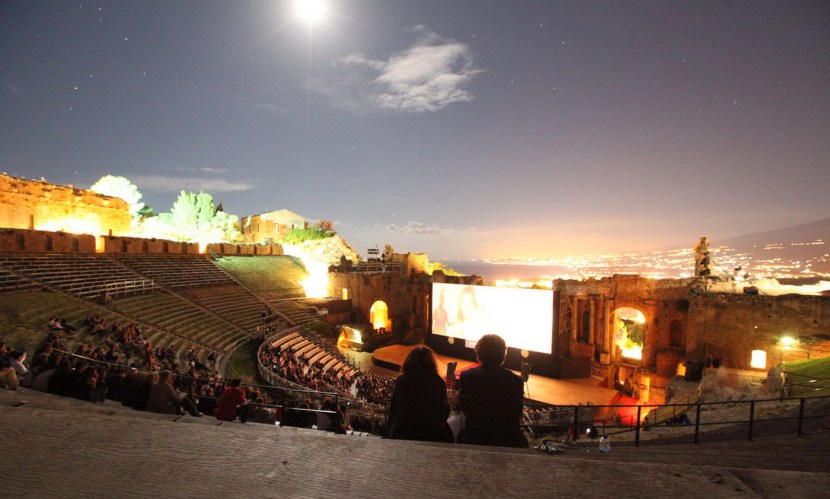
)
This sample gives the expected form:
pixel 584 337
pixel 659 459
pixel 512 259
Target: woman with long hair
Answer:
pixel 419 406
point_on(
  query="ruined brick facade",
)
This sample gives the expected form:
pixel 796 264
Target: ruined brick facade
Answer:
pixel 405 291
pixel 684 322
pixel 39 205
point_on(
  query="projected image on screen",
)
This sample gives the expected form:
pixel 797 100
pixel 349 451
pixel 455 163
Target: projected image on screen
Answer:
pixel 523 317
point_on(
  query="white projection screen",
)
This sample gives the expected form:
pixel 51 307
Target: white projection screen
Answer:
pixel 523 317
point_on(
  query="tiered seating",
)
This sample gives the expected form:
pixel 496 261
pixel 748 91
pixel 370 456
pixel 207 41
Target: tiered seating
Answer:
pixel 83 275
pixel 9 281
pixel 305 349
pixel 178 271
pixel 384 373
pixel 175 315
pixel 295 311
pixel 285 340
pixel 231 302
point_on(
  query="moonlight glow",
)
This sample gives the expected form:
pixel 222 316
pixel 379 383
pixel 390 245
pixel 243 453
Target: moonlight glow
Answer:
pixel 311 11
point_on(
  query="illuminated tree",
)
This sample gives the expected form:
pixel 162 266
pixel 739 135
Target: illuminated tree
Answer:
pixel 195 218
pixel 120 187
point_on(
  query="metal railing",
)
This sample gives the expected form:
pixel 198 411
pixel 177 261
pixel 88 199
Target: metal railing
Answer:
pixel 688 420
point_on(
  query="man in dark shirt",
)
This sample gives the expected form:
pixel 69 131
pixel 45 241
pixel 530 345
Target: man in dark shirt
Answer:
pixel 491 398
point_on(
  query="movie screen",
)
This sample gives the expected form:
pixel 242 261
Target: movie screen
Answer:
pixel 523 317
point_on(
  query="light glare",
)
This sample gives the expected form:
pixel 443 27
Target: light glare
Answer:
pixel 312 11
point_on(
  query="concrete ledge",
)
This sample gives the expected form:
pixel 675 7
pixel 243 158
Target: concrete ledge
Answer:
pixel 64 447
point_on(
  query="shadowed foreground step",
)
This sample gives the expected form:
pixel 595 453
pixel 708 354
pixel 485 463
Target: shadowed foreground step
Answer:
pixel 63 447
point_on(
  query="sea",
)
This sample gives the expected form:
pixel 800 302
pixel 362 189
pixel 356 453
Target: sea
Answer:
pixel 494 271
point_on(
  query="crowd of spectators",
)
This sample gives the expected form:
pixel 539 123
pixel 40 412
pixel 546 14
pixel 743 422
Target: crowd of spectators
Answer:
pixel 153 383
pixel 296 368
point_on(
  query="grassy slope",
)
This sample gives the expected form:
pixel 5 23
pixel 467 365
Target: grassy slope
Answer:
pixel 24 316
pixel 242 363
pixel 269 275
pixel 800 373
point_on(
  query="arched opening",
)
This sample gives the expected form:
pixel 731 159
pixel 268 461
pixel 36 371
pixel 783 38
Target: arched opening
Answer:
pixel 123 246
pixel 165 248
pixel 76 244
pixel 145 246
pixel 677 337
pixel 629 332
pixel 379 315
pixel 49 244
pixel 20 242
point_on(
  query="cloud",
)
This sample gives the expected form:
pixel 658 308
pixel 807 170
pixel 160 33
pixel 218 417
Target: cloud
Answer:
pixel 415 227
pixel 429 75
pixel 201 169
pixel 162 183
pixel 210 169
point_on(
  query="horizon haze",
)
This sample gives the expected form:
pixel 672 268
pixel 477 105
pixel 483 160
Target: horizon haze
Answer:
pixel 462 130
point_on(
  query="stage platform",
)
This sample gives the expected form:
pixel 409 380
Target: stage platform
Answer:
pixel 540 388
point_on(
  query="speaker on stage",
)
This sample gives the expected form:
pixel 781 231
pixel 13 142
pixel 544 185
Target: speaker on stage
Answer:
pixel 525 371
pixel 451 370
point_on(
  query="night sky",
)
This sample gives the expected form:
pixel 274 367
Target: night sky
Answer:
pixel 464 129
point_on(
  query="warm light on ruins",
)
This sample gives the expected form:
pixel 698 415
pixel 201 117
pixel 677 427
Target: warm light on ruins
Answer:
pixel 316 285
pixel 379 315
pixel 759 359
pixel 787 342
pixel 71 225
pixel 629 327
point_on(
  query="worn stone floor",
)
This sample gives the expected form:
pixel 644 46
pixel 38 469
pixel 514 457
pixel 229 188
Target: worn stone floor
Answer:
pixel 61 447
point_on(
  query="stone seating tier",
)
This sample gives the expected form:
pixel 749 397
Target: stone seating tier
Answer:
pixel 178 271
pixel 84 276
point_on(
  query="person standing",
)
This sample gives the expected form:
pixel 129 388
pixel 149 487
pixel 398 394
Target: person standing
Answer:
pixel 492 398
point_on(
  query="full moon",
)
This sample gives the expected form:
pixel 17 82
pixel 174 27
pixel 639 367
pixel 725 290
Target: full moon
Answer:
pixel 311 11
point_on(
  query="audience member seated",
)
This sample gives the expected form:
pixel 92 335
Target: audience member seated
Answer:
pixel 258 413
pixel 137 387
pixel 59 381
pixel 492 398
pixel 82 381
pixel 165 399
pixel 8 376
pixel 44 376
pixel 232 403
pixel 99 392
pixel 419 406
pixel 16 359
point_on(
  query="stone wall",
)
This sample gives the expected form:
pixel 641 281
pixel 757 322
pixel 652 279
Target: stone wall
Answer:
pixel 113 244
pixel 33 204
pixel 729 327
pixel 245 249
pixel 22 240
pixel 412 263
